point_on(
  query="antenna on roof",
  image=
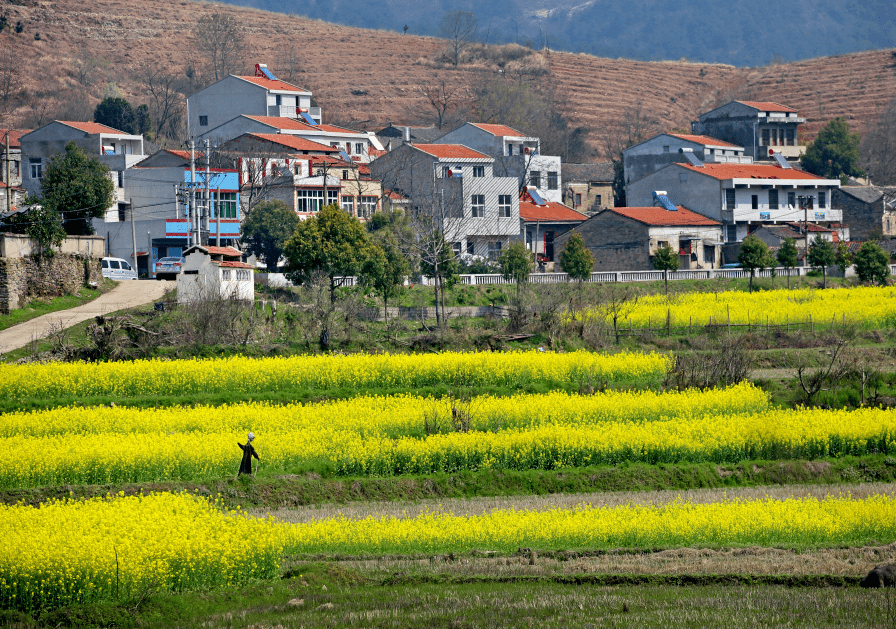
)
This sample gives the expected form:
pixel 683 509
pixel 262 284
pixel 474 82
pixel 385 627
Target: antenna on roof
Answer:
pixel 782 161
pixel 261 69
pixel 659 196
pixel 689 154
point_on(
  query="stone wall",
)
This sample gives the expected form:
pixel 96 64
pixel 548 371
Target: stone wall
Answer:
pixel 24 277
pixel 616 243
pixel 863 217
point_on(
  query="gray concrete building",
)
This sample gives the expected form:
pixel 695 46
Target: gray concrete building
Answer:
pixel 870 211
pixel 669 148
pixel 454 189
pixel 761 127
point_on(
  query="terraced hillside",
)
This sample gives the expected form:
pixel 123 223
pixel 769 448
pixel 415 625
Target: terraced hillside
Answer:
pixel 372 77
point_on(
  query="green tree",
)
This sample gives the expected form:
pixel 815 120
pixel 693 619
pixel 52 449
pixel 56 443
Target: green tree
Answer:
pixel 384 270
pixel 665 260
pixel 333 242
pixel 116 112
pixel 872 263
pixel 143 121
pixel 77 188
pixel 834 152
pixel 788 257
pixel 266 230
pixel 41 224
pixel 822 255
pixel 437 260
pixel 843 258
pixel 575 259
pixel 755 256
pixel 516 264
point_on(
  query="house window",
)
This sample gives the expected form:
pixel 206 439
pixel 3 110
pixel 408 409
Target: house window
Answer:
pixel 456 248
pixel 37 168
pixel 477 203
pixel 754 200
pixel 366 207
pixel 227 205
pixel 470 247
pixel 510 149
pixel 309 200
pixel 359 148
pixel 790 137
pixel 731 233
pixel 121 179
pixel 791 199
pixel 479 171
pixel 822 199
pixel 348 204
pixel 122 211
pixel 203 121
pixel 729 199
pixel 766 135
pixel 242 275
pixel 682 177
pixel 225 275
pixel 446 172
pixel 597 200
pixel 504 205
pixel 665 148
pixel 535 178
pixel 494 249
pixel 773 199
pixel 578 199
pixel 278 100
pixel 345 174
pixel 552 180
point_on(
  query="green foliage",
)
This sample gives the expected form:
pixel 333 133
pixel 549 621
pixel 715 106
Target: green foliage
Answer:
pixel 39 223
pixel 143 119
pixel 266 230
pixel 438 259
pixel 116 112
pixel 333 243
pixel 516 263
pixel 575 259
pixel 834 152
pixel 822 255
pixel 754 256
pixel 666 259
pixel 384 269
pixel 787 255
pixel 76 187
pixel 842 257
pixel 872 263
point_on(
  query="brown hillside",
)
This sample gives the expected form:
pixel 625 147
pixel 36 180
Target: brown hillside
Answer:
pixel 337 60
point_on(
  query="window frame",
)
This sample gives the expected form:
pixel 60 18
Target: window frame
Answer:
pixel 203 121
pixel 477 205
pixel 505 205
pixel 553 180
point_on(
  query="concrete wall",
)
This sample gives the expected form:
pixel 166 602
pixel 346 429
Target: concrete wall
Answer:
pixel 698 192
pixel 593 198
pixel 616 242
pixel 864 218
pixel 222 102
pixel 202 280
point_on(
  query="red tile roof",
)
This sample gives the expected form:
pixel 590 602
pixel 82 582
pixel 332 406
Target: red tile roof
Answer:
pixel 268 84
pixel 91 127
pixel 703 139
pixel 499 130
pixel 662 216
pixel 767 106
pixel 216 251
pixel 812 227
pixel 450 151
pixel 550 212
pixel 296 143
pixel 14 135
pixel 292 124
pixel 184 154
pixel 233 265
pixel 749 171
pixel 395 195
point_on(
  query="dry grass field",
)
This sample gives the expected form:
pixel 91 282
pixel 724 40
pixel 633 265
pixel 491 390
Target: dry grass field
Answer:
pixel 372 77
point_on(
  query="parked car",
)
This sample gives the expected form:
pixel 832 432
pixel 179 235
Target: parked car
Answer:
pixel 118 269
pixel 168 268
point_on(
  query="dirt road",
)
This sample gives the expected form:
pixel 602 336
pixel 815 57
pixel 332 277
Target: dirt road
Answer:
pixel 125 295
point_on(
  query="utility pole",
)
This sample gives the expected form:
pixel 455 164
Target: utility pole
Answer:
pixel 193 215
pixel 134 237
pixel 8 181
pixel 208 200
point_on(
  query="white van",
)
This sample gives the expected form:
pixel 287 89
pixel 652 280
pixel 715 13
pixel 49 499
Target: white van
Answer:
pixel 118 269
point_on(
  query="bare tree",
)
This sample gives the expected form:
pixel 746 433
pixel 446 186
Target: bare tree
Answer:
pixel 442 95
pixel 636 125
pixel 85 66
pixel 290 65
pixel 460 29
pixel 878 147
pixel 261 174
pixel 10 80
pixel 219 38
pixel 166 98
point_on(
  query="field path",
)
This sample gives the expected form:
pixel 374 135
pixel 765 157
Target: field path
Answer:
pixel 125 295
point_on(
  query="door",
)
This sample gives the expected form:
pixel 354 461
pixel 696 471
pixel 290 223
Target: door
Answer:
pixel 549 245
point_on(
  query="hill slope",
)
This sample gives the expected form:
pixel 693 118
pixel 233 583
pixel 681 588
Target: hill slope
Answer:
pixel 373 77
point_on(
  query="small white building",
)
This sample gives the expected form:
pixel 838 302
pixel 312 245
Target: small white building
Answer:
pixel 211 273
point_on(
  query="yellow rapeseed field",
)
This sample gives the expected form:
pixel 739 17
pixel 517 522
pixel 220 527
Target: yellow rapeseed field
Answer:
pixel 78 551
pixel 359 372
pixel 870 306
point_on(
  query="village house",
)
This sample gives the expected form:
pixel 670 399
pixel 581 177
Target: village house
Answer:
pixel 515 154
pixel 761 127
pixel 870 211
pixel 741 196
pixel 541 222
pixel 11 191
pixel 262 94
pixel 116 149
pixel 393 136
pixel 211 273
pixel 588 188
pixel 455 189
pixel 626 238
pixel 672 148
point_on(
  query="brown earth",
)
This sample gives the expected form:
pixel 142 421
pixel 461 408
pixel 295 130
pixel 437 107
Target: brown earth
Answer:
pixel 389 67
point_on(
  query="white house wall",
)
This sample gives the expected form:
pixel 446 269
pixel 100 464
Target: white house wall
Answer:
pixel 699 193
pixel 223 101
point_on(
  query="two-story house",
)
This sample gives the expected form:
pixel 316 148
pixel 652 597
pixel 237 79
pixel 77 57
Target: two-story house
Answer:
pixel 588 187
pixel 262 94
pixel 116 149
pixel 741 196
pixel 761 127
pixel 541 222
pixel 456 191
pixel 515 154
pixel 672 148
